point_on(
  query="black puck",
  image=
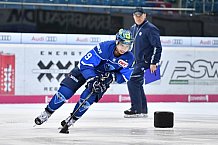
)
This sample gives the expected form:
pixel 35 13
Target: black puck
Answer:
pixel 163 119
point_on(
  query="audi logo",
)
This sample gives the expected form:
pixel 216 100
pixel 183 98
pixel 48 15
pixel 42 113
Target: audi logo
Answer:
pixel 177 41
pixel 215 42
pixel 5 38
pixel 95 39
pixel 51 38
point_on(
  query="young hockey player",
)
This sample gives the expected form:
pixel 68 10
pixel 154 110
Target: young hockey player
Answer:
pixel 108 61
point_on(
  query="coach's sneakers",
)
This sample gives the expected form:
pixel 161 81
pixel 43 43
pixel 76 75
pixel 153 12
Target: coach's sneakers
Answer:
pixel 134 114
pixel 42 118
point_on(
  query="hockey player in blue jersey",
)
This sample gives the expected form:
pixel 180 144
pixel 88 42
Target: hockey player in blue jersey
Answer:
pixel 108 61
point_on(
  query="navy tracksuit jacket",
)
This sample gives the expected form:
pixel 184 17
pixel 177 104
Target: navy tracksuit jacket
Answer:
pixel 147 50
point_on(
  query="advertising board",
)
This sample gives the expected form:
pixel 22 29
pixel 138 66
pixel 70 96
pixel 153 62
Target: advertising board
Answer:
pixel 35 70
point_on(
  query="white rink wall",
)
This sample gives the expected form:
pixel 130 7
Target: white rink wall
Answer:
pixel 34 65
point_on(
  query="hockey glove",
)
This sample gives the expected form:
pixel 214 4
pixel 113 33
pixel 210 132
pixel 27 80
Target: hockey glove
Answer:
pixel 100 84
pixel 96 85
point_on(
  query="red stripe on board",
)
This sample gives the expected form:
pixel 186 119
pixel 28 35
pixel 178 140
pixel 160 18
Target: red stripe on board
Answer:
pixel 167 98
pixel 108 98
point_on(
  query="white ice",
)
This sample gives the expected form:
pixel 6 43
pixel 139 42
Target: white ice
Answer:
pixel 104 124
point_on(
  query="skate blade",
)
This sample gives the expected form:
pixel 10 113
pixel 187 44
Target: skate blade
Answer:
pixel 64 131
pixel 136 116
pixel 59 128
pixel 144 115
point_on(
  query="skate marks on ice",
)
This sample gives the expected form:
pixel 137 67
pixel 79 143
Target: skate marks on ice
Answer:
pixel 104 124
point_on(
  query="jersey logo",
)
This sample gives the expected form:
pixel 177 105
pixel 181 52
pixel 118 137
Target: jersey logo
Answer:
pixel 122 63
pixel 99 49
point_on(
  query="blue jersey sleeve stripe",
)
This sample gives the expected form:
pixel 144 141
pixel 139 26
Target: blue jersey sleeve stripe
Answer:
pixel 125 78
pixel 83 63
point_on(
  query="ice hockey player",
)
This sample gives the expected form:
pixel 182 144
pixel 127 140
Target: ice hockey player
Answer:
pixel 108 61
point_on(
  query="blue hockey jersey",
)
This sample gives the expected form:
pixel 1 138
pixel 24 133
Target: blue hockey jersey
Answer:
pixel 101 59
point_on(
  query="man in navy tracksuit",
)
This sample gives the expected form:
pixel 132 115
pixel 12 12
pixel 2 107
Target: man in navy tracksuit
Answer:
pixel 147 50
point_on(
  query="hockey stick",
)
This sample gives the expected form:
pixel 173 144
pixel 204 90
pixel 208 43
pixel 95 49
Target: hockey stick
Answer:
pixel 65 129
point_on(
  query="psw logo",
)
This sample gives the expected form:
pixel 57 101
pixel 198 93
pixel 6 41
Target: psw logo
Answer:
pixel 53 71
pixel 199 69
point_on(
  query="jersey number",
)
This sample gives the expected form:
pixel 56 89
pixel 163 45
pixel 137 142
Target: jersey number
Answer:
pixel 88 55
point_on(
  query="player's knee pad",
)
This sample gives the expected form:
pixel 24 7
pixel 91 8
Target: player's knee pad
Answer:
pixel 62 95
pixel 65 92
pixel 74 80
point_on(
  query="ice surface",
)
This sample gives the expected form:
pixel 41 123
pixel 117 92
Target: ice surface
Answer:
pixel 104 124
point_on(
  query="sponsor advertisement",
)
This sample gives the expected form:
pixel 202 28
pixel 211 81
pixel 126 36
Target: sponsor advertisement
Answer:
pixel 32 38
pixel 193 71
pixel 197 98
pixel 49 66
pixel 205 41
pixel 175 41
pixel 86 39
pixel 7 73
pixel 10 38
pixel 188 74
pixel 82 39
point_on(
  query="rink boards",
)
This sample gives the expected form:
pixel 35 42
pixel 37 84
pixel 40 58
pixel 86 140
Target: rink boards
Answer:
pixel 33 65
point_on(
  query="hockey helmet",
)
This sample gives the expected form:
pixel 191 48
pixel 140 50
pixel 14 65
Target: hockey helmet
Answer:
pixel 124 36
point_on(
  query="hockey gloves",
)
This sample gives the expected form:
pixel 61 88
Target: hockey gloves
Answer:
pixel 96 85
pixel 100 84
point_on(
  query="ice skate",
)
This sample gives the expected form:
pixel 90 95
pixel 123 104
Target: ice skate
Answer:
pixel 42 118
pixel 69 121
pixel 134 114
